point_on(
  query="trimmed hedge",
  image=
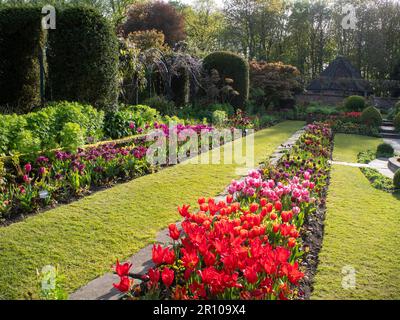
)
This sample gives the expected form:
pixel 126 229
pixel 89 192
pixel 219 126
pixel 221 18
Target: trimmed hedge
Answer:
pixel 354 103
pixel 83 58
pixel 396 179
pixel 371 116
pixel 396 122
pixel 21 40
pixel 231 65
pixel 384 150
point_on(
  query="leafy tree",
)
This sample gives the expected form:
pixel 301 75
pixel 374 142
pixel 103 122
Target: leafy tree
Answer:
pixel 158 16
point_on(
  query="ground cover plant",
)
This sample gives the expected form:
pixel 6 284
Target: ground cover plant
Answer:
pixel 248 246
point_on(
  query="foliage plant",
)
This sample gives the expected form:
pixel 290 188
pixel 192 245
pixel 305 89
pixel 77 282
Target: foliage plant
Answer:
pixel 71 136
pixel 273 82
pixel 219 118
pixel 377 180
pixel 41 129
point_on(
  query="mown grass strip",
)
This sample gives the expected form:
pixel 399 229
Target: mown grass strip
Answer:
pixel 361 232
pixel 85 237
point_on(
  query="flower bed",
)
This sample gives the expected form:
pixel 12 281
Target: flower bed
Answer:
pixel 248 246
pixel 63 176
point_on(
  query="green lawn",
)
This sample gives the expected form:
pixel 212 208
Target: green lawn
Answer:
pixel 347 146
pixel 361 231
pixel 85 237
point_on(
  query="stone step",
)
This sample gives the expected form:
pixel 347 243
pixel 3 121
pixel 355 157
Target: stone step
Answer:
pixel 390 135
pixel 387 129
pixel 387 123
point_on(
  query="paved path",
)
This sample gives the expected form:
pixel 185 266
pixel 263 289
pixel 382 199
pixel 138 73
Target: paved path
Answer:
pixel 102 287
pixel 380 164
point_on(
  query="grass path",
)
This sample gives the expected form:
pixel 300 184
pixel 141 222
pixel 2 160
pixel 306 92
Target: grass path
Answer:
pixel 361 231
pixel 85 237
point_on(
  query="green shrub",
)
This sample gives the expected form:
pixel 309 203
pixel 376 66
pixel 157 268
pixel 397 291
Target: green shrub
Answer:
pixel 26 143
pixel 219 118
pixel 396 122
pixel 396 179
pixel 233 66
pixel 21 40
pixel 230 111
pixel 267 120
pixel 71 136
pixel 385 150
pixel 323 110
pixel 89 119
pixel 371 116
pixel 42 125
pixel 83 58
pixel 45 126
pixel 162 105
pixel 354 103
pixel 117 123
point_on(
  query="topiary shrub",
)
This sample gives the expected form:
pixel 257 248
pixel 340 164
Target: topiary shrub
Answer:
pixel 396 122
pixel 396 179
pixel 371 116
pixel 354 103
pixel 385 150
pixel 232 66
pixel 83 58
pixel 21 40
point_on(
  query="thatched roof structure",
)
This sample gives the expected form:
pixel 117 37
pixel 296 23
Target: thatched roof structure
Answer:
pixel 340 77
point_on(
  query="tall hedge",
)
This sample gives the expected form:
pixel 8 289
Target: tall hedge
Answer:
pixel 83 58
pixel 231 65
pixel 21 40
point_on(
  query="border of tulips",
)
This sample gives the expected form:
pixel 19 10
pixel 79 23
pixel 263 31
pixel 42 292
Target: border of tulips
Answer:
pixel 119 144
pixel 258 203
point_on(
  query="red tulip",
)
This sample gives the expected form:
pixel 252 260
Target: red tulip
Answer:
pixel 253 207
pixel 204 207
pixel 28 168
pixel 169 256
pixel 250 273
pixel 167 276
pixel 154 275
pixel 278 206
pixel 275 227
pixel 229 198
pixel 286 216
pixel 174 233
pixel 291 242
pixel 124 285
pixel 184 211
pixel 263 202
pixel 269 207
pixel 201 200
pixel 273 216
pixel 122 269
